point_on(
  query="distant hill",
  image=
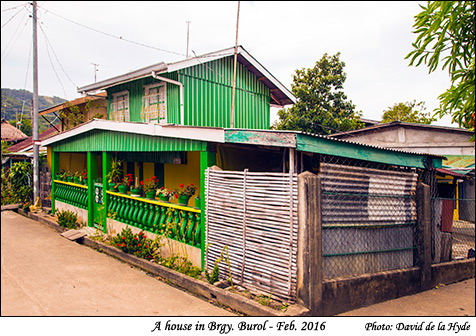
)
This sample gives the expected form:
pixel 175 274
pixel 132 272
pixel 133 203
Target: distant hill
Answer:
pixel 12 102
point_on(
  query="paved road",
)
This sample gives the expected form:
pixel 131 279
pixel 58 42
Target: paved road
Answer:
pixel 44 274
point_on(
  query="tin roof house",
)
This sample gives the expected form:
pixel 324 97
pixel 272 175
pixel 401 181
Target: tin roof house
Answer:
pixel 175 122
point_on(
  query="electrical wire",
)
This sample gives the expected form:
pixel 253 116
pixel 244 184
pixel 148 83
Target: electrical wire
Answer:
pixel 7 9
pixel 48 43
pixel 15 36
pixel 111 35
pixel 51 61
pixel 12 17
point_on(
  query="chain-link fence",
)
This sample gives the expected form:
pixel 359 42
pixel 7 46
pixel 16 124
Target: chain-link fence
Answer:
pixel 453 229
pixel 368 216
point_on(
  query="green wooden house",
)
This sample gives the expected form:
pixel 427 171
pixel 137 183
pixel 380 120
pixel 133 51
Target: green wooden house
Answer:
pixel 161 121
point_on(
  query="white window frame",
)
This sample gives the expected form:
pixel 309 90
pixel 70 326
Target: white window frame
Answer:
pixel 154 104
pixel 120 114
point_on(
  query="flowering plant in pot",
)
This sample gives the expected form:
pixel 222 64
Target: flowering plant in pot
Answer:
pixel 126 183
pixel 184 193
pixel 164 194
pixel 150 186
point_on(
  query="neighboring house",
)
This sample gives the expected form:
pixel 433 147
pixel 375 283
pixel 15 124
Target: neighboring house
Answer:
pixel 80 110
pixel 11 134
pixel 456 176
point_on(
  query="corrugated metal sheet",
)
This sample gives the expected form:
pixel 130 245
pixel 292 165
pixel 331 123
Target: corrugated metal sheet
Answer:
pixel 208 96
pixel 99 140
pixel 368 218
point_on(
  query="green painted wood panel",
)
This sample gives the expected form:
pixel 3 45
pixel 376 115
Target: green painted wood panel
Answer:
pixel 207 96
pixel 99 140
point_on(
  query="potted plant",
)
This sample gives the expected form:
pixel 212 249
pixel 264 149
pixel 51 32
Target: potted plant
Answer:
pixel 68 176
pixel 115 174
pixel 197 202
pixel 77 177
pixel 150 187
pixel 164 194
pixel 125 185
pixel 184 193
pixel 84 176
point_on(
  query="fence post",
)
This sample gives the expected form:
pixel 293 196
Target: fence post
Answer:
pixel 309 256
pixel 423 257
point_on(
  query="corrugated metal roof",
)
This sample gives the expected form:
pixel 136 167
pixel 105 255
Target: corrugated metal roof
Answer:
pixel 459 161
pixel 280 95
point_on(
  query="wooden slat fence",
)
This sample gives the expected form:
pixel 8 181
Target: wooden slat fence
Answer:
pixel 255 216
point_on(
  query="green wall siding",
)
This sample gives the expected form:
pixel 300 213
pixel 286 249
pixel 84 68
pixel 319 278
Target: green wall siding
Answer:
pixel 207 96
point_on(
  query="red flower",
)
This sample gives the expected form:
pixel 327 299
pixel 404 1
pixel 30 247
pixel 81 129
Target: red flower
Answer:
pixel 181 185
pixel 176 196
pixel 142 182
pixel 123 238
pixel 191 184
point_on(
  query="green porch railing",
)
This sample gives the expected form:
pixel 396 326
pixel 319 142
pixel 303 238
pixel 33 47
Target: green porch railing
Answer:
pixel 177 222
pixel 71 193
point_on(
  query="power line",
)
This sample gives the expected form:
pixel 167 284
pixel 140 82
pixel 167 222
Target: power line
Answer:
pixel 113 36
pixel 56 57
pixel 51 61
pixel 23 4
pixel 14 36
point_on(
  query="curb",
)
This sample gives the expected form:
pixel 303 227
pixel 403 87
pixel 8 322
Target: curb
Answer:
pixel 234 301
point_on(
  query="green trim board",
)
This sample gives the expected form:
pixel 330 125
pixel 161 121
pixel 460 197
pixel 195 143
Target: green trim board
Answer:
pixel 113 141
pixel 322 145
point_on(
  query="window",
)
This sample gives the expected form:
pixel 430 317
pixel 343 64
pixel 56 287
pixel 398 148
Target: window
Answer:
pixel 154 105
pixel 120 107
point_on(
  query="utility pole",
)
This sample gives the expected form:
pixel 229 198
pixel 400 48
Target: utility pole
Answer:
pixel 188 26
pixel 95 70
pixel 232 121
pixel 36 137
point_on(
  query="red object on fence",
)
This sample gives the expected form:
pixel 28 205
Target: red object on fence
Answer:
pixel 447 215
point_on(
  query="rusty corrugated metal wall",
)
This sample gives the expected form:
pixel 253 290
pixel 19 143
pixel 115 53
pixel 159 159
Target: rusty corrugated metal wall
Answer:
pixel 368 219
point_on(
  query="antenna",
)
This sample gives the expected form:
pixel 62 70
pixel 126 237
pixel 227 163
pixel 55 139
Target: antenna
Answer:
pixel 95 70
pixel 188 27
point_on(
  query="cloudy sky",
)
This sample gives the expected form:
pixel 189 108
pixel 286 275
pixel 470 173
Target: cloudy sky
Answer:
pixel 372 37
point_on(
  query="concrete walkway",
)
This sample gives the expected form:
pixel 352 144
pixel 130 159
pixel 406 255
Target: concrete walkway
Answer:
pixel 44 274
pixel 455 299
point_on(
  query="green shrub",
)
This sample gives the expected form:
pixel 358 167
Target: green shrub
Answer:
pixel 67 219
pixel 136 244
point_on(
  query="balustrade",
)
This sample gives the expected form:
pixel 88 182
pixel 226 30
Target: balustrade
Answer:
pixel 177 222
pixel 72 193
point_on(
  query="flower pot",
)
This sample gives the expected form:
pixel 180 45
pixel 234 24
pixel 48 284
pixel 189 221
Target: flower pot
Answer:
pixel 183 199
pixel 150 194
pixel 135 192
pixel 76 180
pixel 164 198
pixel 71 179
pixel 197 203
pixel 111 186
pixel 122 189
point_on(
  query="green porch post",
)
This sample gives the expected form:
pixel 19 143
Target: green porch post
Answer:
pixel 106 168
pixel 54 170
pixel 207 159
pixel 92 176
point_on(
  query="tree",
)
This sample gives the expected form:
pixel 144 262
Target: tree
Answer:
pixel 322 106
pixel 408 112
pixel 25 125
pixel 446 32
